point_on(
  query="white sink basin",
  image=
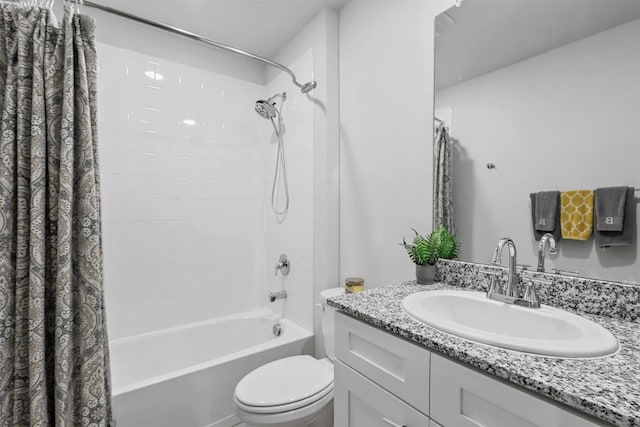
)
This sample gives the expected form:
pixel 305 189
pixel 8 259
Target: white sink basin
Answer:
pixel 546 330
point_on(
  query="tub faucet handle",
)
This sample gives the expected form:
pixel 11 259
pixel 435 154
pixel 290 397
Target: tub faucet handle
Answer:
pixel 283 265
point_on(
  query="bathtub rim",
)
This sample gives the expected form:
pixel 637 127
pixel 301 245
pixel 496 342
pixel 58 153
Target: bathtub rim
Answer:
pixel 264 312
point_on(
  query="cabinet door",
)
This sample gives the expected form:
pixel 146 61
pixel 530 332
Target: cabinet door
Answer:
pixel 391 362
pixel 358 402
pixel 462 397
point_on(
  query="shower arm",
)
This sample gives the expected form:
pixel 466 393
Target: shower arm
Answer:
pixel 282 96
pixel 306 87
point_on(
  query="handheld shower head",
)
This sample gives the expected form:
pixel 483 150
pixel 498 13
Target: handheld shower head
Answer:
pixel 267 108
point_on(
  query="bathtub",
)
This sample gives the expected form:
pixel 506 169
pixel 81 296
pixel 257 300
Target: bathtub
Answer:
pixel 185 376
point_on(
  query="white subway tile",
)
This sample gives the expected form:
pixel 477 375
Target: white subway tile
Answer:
pixel 117 185
pixel 154 141
pixel 169 209
pixel 119 162
pixel 181 146
pixel 183 204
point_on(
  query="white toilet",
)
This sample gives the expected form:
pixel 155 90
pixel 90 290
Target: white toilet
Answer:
pixel 295 391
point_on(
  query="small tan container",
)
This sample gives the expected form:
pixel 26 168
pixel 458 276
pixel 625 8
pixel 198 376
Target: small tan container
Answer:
pixel 353 285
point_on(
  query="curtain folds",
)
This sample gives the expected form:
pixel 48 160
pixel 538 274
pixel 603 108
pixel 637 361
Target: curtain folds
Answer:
pixel 442 185
pixel 54 360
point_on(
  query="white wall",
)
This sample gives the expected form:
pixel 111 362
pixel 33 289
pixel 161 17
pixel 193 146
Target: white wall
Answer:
pixel 189 232
pixel 309 233
pixel 129 35
pixel 291 234
pixel 566 119
pixel 386 110
pixel 181 203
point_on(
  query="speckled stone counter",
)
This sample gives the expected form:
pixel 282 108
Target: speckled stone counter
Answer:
pixel 590 296
pixel 606 388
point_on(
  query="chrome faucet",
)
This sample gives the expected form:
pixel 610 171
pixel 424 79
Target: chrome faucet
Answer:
pixel 277 295
pixel 546 238
pixel 283 265
pixel 511 289
pixel 509 293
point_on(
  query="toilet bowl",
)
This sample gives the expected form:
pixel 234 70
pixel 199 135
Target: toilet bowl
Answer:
pixel 288 392
pixel 295 391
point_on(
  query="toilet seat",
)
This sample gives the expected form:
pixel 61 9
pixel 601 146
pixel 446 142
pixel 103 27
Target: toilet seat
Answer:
pixel 327 392
pixel 285 385
pixel 297 417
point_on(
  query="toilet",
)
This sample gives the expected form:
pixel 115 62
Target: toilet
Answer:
pixel 295 391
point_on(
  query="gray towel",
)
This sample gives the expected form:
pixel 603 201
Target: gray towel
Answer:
pixel 546 210
pixel 609 205
pixel 557 233
pixel 604 239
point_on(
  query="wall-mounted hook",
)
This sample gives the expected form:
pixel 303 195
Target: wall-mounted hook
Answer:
pixel 491 166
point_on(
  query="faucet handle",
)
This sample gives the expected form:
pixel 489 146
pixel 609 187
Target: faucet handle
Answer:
pixel 494 284
pixel 531 295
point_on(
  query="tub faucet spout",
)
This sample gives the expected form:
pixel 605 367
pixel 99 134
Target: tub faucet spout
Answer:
pixel 277 295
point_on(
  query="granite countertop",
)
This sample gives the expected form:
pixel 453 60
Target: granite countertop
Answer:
pixel 606 388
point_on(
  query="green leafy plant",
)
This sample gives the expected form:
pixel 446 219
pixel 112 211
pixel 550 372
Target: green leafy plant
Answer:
pixel 427 250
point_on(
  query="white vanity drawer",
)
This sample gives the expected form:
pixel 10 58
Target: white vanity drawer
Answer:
pixel 397 365
pixel 462 397
pixel 360 403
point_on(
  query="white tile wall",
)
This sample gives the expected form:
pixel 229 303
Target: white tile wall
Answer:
pixel 183 182
pixel 294 235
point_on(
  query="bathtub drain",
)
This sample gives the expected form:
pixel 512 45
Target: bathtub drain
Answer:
pixel 277 329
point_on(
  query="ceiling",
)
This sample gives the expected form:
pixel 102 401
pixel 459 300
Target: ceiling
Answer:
pixel 491 34
pixel 257 26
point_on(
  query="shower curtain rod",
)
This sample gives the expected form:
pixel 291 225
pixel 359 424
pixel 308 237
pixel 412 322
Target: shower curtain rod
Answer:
pixel 306 87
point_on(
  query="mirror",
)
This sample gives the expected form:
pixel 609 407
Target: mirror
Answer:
pixel 538 96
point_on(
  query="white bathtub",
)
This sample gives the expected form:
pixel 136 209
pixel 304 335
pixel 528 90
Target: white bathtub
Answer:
pixel 185 376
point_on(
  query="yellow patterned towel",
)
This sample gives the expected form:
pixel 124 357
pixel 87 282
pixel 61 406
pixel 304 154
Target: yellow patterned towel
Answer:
pixel 576 214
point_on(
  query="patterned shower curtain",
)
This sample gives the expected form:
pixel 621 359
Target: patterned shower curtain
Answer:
pixel 54 362
pixel 442 185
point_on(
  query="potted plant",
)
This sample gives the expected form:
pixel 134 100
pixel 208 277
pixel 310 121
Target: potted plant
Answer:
pixel 427 250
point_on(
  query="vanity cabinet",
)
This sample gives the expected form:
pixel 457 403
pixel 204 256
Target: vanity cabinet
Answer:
pixel 396 365
pixel 360 402
pixel 464 397
pixel 383 380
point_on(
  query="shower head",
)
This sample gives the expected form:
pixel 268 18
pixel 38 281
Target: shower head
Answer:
pixel 308 87
pixel 266 109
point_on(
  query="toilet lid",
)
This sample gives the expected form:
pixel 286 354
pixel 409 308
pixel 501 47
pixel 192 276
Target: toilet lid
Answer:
pixel 284 381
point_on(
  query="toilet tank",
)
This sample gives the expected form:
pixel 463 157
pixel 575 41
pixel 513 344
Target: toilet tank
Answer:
pixel 328 320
